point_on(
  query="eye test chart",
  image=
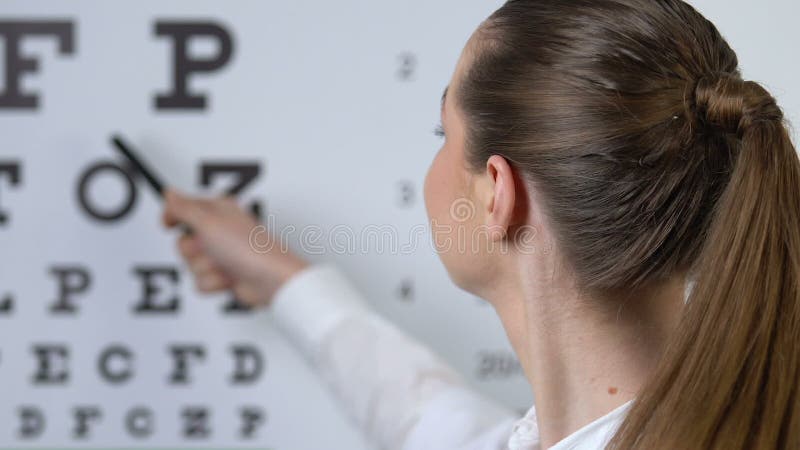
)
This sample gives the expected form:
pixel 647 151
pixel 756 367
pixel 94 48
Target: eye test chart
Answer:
pixel 315 115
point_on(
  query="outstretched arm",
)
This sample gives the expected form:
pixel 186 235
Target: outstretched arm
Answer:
pixel 401 394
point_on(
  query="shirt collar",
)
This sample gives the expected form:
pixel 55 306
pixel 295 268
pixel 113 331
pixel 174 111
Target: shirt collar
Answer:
pixel 525 432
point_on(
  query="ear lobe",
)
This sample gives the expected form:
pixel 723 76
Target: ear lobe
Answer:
pixel 503 201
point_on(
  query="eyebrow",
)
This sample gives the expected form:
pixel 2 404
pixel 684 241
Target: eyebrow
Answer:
pixel 444 96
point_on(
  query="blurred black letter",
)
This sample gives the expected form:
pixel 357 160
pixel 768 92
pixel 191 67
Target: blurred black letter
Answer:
pixel 180 355
pixel 47 355
pixel 84 414
pixel 31 422
pixel 149 290
pixel 71 280
pixel 12 169
pixel 244 373
pixel 106 372
pixel 16 64
pixel 180 33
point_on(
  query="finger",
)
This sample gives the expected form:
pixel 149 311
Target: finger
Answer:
pixel 201 264
pixel 212 282
pixel 248 295
pixel 189 246
pixel 183 209
pixel 203 267
pixel 167 216
pixel 228 203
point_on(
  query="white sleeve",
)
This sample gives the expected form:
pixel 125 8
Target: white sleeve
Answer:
pixel 396 390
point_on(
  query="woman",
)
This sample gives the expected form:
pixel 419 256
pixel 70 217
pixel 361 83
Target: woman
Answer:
pixel 621 133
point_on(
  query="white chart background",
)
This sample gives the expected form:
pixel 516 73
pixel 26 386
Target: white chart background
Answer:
pixel 317 93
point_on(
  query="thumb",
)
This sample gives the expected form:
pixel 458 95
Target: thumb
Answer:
pixel 179 208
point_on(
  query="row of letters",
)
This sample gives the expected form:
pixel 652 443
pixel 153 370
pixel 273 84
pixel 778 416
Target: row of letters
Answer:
pixel 159 292
pixel 116 364
pixel 179 32
pixel 139 422
pixel 184 64
pixel 242 174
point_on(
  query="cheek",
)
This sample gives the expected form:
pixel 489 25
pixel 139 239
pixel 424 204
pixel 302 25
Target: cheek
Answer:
pixel 435 186
pixel 441 190
pixel 452 218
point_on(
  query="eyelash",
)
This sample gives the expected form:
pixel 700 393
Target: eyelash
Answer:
pixel 439 130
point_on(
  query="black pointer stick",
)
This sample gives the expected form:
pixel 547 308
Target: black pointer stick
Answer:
pixel 146 172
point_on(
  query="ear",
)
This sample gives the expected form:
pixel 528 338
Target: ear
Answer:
pixel 501 204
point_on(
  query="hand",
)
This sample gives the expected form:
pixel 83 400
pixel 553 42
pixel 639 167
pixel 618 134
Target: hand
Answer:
pixel 219 251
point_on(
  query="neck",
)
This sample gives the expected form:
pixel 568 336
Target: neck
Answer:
pixel 584 357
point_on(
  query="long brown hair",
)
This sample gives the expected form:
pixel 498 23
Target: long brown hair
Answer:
pixel 654 157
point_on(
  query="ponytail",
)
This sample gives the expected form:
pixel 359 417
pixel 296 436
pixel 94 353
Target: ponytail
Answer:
pixel 729 379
